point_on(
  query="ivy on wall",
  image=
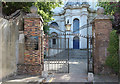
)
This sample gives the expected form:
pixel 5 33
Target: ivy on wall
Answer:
pixel 113 59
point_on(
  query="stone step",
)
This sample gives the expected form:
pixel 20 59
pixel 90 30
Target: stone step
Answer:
pixel 74 53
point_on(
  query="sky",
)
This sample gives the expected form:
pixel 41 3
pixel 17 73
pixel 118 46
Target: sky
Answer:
pixel 93 4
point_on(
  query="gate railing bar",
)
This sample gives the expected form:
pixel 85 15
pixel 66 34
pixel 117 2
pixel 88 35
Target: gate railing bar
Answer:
pixel 41 47
pixel 65 39
pixel 56 59
pixel 88 53
pixel 57 65
pixel 60 63
pixel 89 56
pixel 80 28
pixel 88 49
pixel 83 27
pixel 57 37
pixel 68 55
pixel 93 54
pixel 72 34
pixel 48 46
pixel 60 43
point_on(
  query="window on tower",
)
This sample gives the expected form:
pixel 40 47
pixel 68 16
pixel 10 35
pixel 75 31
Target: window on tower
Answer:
pixel 54 41
pixel 54 25
pixel 76 26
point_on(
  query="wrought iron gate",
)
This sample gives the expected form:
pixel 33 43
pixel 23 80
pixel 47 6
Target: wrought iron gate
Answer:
pixel 56 58
pixel 57 50
pixel 90 60
pixel 90 55
pixel 89 37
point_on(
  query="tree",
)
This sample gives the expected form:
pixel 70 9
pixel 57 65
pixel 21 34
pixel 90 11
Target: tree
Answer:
pixel 112 60
pixel 44 9
pixel 112 8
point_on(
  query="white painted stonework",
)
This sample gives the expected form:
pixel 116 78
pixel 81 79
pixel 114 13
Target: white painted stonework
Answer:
pixel 82 11
pixel 90 77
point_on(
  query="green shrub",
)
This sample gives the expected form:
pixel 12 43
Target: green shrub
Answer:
pixel 113 48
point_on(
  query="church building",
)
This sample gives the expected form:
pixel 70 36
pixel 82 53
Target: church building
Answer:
pixel 79 15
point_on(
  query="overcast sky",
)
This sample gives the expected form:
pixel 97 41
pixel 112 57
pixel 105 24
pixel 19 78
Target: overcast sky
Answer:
pixel 92 3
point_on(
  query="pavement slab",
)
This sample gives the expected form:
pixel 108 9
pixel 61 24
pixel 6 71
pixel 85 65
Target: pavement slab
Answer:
pixel 77 72
pixel 23 79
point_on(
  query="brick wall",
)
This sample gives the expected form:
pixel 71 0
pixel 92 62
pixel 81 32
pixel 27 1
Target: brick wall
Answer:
pixel 33 54
pixel 101 31
pixel 32 28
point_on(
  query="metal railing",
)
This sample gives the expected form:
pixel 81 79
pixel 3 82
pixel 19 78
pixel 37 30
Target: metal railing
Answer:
pixel 56 59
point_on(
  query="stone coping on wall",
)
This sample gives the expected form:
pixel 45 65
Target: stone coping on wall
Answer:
pixel 32 15
pixel 101 17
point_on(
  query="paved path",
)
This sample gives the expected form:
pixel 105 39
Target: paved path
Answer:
pixel 77 66
pixel 78 72
pixel 23 79
pixel 106 78
pixel 78 69
pixel 59 63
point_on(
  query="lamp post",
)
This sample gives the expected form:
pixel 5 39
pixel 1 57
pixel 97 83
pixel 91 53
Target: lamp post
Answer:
pixel 67 26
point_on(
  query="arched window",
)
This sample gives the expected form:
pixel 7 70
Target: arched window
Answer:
pixel 54 36
pixel 54 41
pixel 54 25
pixel 76 26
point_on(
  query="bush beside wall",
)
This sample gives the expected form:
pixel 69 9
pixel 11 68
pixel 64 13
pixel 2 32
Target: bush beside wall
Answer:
pixel 113 59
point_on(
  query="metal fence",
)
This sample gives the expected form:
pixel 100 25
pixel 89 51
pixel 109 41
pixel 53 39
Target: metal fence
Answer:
pixel 56 58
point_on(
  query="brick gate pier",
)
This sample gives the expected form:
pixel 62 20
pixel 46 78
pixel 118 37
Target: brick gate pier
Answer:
pixel 33 44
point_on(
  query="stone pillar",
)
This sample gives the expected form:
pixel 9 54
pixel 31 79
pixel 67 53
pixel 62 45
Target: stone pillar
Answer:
pixel 21 47
pixel 84 19
pixel 101 32
pixel 34 51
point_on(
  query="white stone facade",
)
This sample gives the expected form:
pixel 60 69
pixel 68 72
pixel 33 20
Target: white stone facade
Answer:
pixel 83 12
